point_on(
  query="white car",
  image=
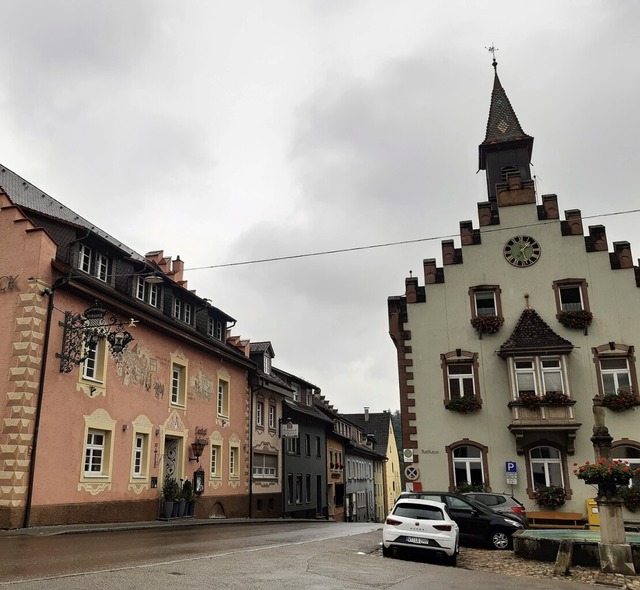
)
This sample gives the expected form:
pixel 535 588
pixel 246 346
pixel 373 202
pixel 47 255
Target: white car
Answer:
pixel 423 525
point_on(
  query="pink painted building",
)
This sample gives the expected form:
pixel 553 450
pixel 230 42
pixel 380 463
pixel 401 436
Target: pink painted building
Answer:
pixel 88 431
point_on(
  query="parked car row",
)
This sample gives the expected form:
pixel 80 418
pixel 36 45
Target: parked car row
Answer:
pixel 437 522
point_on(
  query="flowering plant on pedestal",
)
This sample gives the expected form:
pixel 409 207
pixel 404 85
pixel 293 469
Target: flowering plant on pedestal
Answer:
pixel 611 471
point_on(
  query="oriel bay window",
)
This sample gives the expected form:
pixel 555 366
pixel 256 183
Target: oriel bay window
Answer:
pixel 539 375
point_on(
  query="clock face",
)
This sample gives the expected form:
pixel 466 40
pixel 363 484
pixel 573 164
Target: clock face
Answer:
pixel 522 251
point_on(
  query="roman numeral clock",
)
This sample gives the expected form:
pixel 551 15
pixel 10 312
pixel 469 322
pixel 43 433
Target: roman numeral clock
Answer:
pixel 522 251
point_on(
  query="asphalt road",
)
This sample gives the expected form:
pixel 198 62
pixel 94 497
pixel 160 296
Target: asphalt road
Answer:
pixel 275 556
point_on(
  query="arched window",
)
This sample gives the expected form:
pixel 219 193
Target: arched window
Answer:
pixel 467 466
pixel 546 467
pixel 628 453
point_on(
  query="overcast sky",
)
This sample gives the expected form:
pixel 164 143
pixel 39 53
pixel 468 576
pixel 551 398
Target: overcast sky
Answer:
pixel 233 131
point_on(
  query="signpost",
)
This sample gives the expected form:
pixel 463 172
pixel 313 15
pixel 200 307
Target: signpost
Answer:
pixel 512 473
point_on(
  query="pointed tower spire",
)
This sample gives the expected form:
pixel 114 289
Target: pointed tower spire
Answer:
pixel 506 148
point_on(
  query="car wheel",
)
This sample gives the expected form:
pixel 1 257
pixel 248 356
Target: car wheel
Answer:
pixel 387 551
pixel 452 560
pixel 500 540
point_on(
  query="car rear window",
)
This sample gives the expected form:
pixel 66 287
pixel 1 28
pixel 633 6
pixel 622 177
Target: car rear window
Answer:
pixel 418 511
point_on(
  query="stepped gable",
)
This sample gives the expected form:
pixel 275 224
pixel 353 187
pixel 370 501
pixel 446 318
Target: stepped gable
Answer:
pixel 532 333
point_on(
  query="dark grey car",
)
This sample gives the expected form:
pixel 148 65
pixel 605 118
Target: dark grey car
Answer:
pixel 501 503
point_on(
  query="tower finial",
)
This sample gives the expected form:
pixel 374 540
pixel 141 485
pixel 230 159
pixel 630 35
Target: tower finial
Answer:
pixel 492 50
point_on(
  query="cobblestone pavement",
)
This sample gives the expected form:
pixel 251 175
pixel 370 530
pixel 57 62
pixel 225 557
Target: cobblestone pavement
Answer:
pixel 506 563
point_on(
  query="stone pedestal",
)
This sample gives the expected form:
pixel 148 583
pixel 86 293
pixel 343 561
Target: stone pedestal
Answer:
pixel 611 520
pixel 615 553
pixel 616 559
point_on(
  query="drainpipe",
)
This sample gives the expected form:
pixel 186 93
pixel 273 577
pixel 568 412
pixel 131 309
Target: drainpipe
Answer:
pixel 43 371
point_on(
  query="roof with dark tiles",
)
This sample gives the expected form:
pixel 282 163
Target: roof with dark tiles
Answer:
pixel 377 424
pixel 26 195
pixel 502 125
pixel 532 333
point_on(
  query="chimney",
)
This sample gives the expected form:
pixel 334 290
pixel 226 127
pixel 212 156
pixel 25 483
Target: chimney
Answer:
pixel 366 413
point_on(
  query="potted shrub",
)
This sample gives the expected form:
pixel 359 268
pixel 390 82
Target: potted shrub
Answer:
pixel 576 320
pixel 464 405
pixel 169 493
pixel 189 497
pixel 550 496
pixel 624 399
pixel 487 324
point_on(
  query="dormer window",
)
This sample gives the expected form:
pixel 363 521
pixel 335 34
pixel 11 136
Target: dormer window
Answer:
pixel 296 392
pixel 93 263
pixel 267 364
pixel 214 328
pixel 309 398
pixel 147 292
pixel 182 311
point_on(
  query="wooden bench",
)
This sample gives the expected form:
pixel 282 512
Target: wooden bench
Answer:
pixel 556 520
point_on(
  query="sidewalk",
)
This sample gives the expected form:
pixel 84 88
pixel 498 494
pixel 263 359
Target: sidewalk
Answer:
pixel 74 529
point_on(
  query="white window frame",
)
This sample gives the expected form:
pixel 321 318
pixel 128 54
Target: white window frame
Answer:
pixel 178 391
pixel 267 364
pixel 265 466
pixel 84 258
pixel 223 398
pixel 140 454
pixel 218 334
pixel 181 310
pixel 483 295
pixel 102 267
pixel 461 378
pixel 538 370
pixel 147 292
pixel 234 462
pixel 467 463
pixel 546 463
pixel 216 454
pixel 95 452
pixel 272 416
pixel 95 363
pixel 615 373
pixel 570 306
pixel 260 413
pixel 296 391
pixel 210 327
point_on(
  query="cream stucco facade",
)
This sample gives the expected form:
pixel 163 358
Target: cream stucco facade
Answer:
pixel 558 266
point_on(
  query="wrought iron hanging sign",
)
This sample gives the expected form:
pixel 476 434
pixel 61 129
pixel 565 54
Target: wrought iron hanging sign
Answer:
pixel 82 332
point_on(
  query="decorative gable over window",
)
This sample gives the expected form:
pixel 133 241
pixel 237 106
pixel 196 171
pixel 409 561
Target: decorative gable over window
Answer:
pixel 532 335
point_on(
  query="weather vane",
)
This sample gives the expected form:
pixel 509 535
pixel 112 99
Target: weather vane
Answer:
pixel 492 50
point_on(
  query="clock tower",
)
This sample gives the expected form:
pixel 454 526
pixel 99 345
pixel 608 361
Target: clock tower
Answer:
pixel 505 153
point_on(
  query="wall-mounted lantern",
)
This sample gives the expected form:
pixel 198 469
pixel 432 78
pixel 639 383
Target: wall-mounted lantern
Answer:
pixel 83 331
pixel 197 447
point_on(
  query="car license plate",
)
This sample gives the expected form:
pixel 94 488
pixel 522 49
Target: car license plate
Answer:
pixel 418 540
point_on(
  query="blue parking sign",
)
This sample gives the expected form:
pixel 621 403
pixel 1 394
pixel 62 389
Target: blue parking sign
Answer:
pixel 511 467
